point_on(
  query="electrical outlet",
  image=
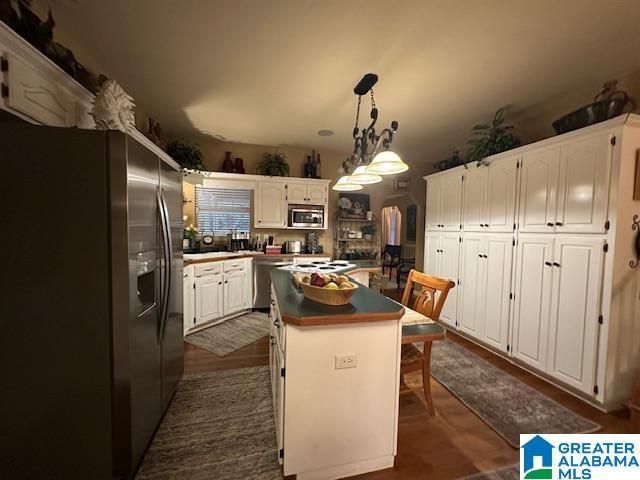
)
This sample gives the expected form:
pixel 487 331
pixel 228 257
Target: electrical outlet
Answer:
pixel 347 360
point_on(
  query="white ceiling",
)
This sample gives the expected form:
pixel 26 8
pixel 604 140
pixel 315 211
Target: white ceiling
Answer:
pixel 277 71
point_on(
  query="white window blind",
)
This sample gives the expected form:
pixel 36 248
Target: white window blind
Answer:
pixel 220 211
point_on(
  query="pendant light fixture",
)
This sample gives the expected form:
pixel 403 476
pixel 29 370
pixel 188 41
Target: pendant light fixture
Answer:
pixel 345 185
pixel 359 168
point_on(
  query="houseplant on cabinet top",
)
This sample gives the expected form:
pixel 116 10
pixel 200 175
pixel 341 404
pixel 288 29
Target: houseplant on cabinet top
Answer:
pixel 274 164
pixel 187 155
pixel 491 139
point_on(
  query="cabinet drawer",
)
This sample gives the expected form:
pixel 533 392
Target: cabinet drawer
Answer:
pixel 33 94
pixel 208 269
pixel 231 265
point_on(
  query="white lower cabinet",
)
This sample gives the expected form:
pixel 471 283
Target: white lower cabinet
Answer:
pixel 234 291
pixel 573 322
pixel 441 260
pixel 208 298
pixel 485 281
pixel 557 306
pixel 276 364
pixel 188 291
pixel 217 290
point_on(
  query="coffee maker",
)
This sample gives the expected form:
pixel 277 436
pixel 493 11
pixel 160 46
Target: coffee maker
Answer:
pixel 237 241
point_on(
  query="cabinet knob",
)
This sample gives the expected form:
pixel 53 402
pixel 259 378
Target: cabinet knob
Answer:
pixel 480 255
pixel 484 256
pixel 226 281
pixel 549 224
pixel 556 264
pixel 219 283
pixel 559 224
pixel 548 264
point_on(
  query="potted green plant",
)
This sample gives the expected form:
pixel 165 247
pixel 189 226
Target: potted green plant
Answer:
pixel 188 155
pixel 369 231
pixel 274 164
pixel 491 139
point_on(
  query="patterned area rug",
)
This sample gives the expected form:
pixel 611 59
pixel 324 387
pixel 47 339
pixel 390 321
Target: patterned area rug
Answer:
pixel 219 426
pixel 507 405
pixel 512 472
pixel 231 335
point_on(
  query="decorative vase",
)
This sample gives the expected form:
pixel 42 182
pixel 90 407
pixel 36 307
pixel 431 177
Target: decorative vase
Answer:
pixel 238 166
pixel 186 243
pixel 227 165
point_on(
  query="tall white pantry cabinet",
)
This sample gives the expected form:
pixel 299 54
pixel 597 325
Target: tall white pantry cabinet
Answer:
pixel 539 241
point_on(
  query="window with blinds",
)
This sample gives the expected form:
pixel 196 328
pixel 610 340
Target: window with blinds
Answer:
pixel 220 210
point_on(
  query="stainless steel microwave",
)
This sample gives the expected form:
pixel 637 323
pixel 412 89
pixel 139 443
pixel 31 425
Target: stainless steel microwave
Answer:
pixel 306 217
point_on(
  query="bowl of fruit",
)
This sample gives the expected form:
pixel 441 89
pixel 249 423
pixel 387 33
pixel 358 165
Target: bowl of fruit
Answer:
pixel 329 289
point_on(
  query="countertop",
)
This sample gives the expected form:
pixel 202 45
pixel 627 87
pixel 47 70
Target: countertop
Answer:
pixel 366 305
pixel 191 258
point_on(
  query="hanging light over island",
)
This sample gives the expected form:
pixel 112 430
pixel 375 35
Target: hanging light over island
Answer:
pixel 359 168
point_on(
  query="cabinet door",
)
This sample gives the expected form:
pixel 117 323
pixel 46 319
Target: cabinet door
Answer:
pixel 434 204
pixel 432 254
pixel 449 263
pixel 188 300
pixel 297 192
pixel 533 298
pixel 317 194
pixel 583 188
pixel 472 272
pixel 501 196
pixel 573 321
pixel 538 191
pixel 271 205
pixel 208 298
pixel 474 199
pixel 495 312
pixel 235 291
pixel 451 202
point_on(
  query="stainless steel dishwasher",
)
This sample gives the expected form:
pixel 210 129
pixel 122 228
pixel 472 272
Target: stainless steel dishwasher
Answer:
pixel 262 266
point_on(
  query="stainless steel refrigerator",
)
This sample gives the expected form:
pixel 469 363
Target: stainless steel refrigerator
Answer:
pixel 91 347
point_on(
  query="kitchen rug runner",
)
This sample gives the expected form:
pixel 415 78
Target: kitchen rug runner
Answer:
pixel 220 425
pixel 231 335
pixel 507 405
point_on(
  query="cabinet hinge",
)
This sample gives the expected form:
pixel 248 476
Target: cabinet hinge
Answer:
pixel 605 247
pixel 194 320
pixel 282 372
pixel 463 178
pixel 517 164
pixel 281 453
pixel 4 64
pixel 607 225
pixel 4 90
pixel 600 319
pixel 613 140
pixel 513 242
pixel 508 348
pixel 595 389
pixel 511 296
pixel 514 226
pixel 460 238
pixel 459 282
pixel 194 285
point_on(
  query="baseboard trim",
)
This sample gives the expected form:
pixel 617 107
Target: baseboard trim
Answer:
pixel 348 469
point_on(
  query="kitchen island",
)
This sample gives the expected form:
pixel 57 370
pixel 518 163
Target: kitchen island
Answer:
pixel 335 374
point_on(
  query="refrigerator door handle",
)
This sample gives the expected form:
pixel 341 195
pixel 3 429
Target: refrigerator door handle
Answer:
pixel 168 263
pixel 164 269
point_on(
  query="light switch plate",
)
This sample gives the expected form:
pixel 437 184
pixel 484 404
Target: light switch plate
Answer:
pixel 347 360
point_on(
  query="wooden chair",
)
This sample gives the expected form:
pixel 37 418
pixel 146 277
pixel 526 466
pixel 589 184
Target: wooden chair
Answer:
pixel 412 359
pixel 391 257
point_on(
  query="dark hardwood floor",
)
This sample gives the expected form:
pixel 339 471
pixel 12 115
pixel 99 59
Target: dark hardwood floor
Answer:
pixel 453 444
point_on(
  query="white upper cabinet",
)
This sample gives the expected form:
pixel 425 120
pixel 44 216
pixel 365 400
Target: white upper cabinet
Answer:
pixel 270 205
pixel 444 199
pixel 307 193
pixel 534 266
pixel 451 202
pixel 474 199
pixel 583 187
pixel 538 191
pixel 434 204
pixel 501 195
pixel 577 273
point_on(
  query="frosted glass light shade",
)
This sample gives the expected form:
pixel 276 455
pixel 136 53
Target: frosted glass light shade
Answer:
pixel 344 185
pixel 362 176
pixel 387 163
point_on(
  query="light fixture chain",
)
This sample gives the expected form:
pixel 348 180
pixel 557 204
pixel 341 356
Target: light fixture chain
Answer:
pixel 373 100
pixel 357 113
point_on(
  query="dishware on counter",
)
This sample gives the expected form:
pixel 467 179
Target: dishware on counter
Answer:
pixel 337 295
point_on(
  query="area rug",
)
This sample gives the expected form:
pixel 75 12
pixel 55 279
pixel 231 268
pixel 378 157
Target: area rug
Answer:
pixel 219 426
pixel 231 335
pixel 512 472
pixel 507 405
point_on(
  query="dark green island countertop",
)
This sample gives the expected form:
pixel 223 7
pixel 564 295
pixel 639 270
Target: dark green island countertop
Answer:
pixel 366 305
